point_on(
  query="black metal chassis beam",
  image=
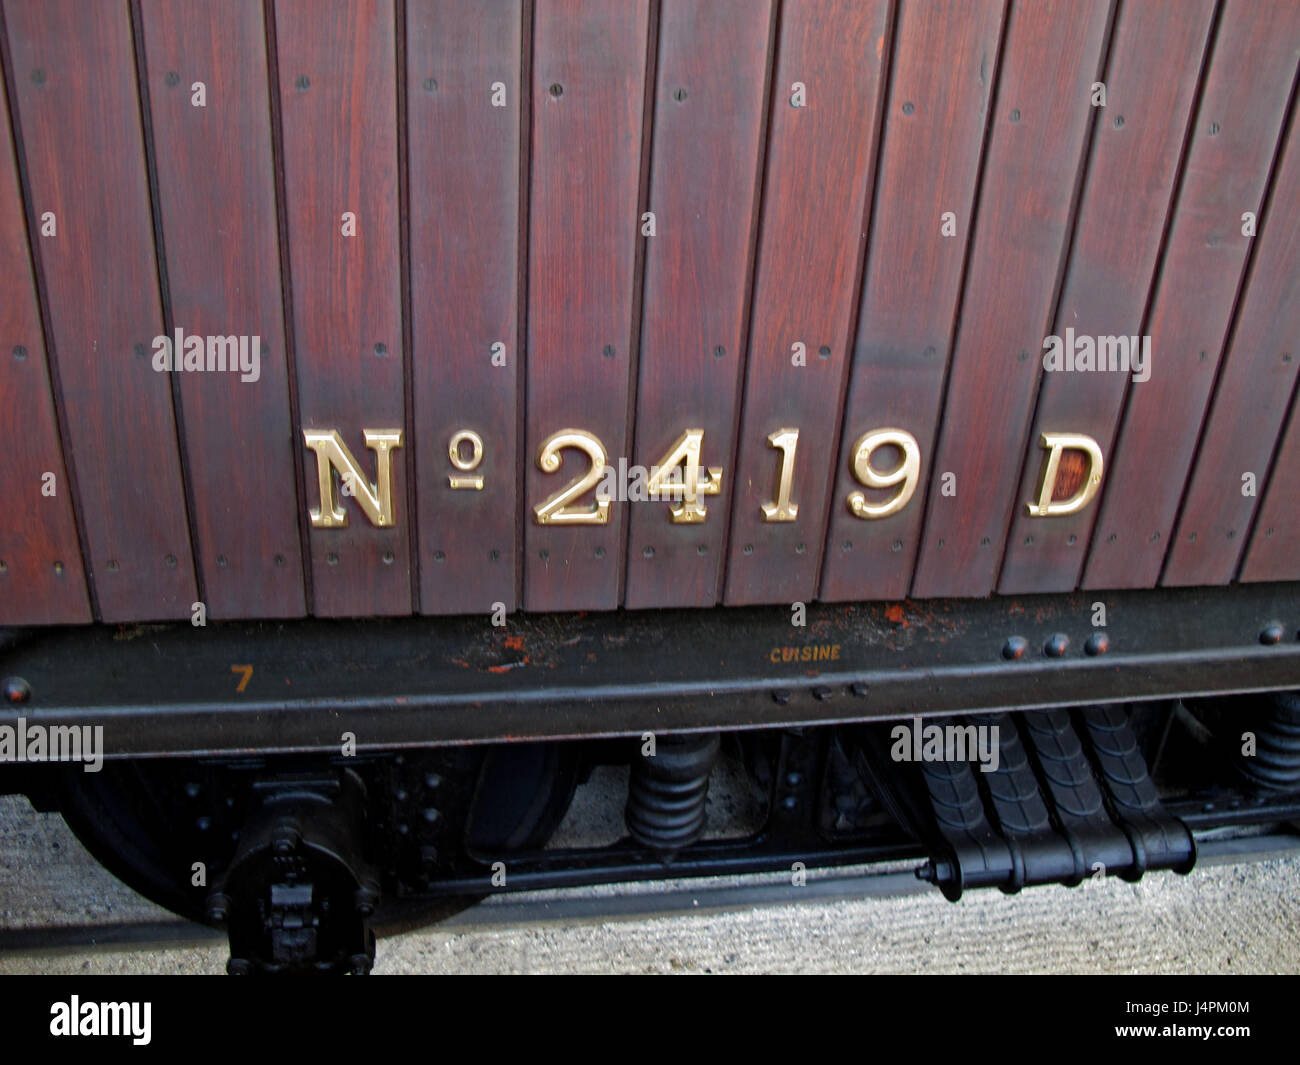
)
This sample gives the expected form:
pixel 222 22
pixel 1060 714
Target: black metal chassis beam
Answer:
pixel 172 689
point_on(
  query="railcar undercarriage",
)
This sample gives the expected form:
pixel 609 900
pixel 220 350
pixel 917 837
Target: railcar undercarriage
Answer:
pixel 411 806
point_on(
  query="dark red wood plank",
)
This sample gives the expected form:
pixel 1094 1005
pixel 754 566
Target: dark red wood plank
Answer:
pixel 708 130
pixel 463 150
pixel 815 196
pixel 1274 553
pixel 1250 402
pixel 75 81
pixel 934 133
pixel 214 167
pixel 1127 197
pixel 1043 107
pixel 588 89
pixel 41 579
pixel 338 104
pixel 1237 128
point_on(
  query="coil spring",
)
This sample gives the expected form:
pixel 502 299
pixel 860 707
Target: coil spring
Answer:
pixel 1275 766
pixel 668 791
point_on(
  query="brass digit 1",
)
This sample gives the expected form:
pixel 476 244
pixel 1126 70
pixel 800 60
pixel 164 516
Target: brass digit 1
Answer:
pixel 559 508
pixel 905 474
pixel 476 456
pixel 781 509
pixel 1054 444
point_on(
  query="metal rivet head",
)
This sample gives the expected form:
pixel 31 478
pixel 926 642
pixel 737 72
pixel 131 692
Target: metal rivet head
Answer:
pixel 821 693
pixel 780 697
pixel 113 565
pixel 170 561
pixel 381 349
pixel 908 108
pixel 896 546
pixel 824 352
pixel 609 351
pixel 748 549
pixel 557 90
pixel 38 76
pixel 1015 648
pixel 302 83
pixel 1214 129
pixel 387 558
pixel 1119 121
pixel 1056 645
pixel 141 350
pixel 1097 644
pixel 221 562
pixel 20 352
pixel 430 85
pixel 17 690
pixel 648 551
pixel 332 559
pixel 1015 115
pixel 4 566
pixel 719 352
pixel 1272 634
pixel 543 554
pixel 493 555
pixel 599 552
pixel 278 560
pixel 58 569
pixel 859 689
pixel 173 79
pixel 679 95
pixel 701 550
pixel 799 549
pixel 439 556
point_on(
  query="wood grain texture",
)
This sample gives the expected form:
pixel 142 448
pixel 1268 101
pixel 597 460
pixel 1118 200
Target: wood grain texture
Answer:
pixel 1250 401
pixel 1130 178
pixel 1274 553
pixel 1051 58
pixel 708 129
pixel 588 87
pixel 463 158
pixel 41 578
pixel 816 190
pixel 214 165
pixel 75 81
pixel 1238 125
pixel 930 158
pixel 338 105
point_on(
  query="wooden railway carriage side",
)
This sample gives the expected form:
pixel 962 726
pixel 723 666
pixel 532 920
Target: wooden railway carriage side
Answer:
pixel 409 405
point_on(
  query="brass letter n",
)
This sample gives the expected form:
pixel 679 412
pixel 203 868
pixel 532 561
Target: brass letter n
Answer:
pixel 331 454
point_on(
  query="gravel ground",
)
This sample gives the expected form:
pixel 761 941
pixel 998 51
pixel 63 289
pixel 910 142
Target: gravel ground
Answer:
pixel 1220 919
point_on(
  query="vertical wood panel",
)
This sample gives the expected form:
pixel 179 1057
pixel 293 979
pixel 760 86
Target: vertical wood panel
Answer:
pixel 464 227
pixel 1250 402
pixel 1227 171
pixel 75 79
pixel 338 104
pixel 934 133
pixel 588 97
pixel 214 166
pixel 816 189
pixel 41 577
pixel 1130 183
pixel 708 129
pixel 1043 107
pixel 1274 553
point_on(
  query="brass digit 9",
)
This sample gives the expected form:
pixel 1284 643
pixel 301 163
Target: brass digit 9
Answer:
pixel 904 474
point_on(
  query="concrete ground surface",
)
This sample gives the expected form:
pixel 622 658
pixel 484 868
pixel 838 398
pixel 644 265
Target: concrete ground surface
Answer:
pixel 1220 919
